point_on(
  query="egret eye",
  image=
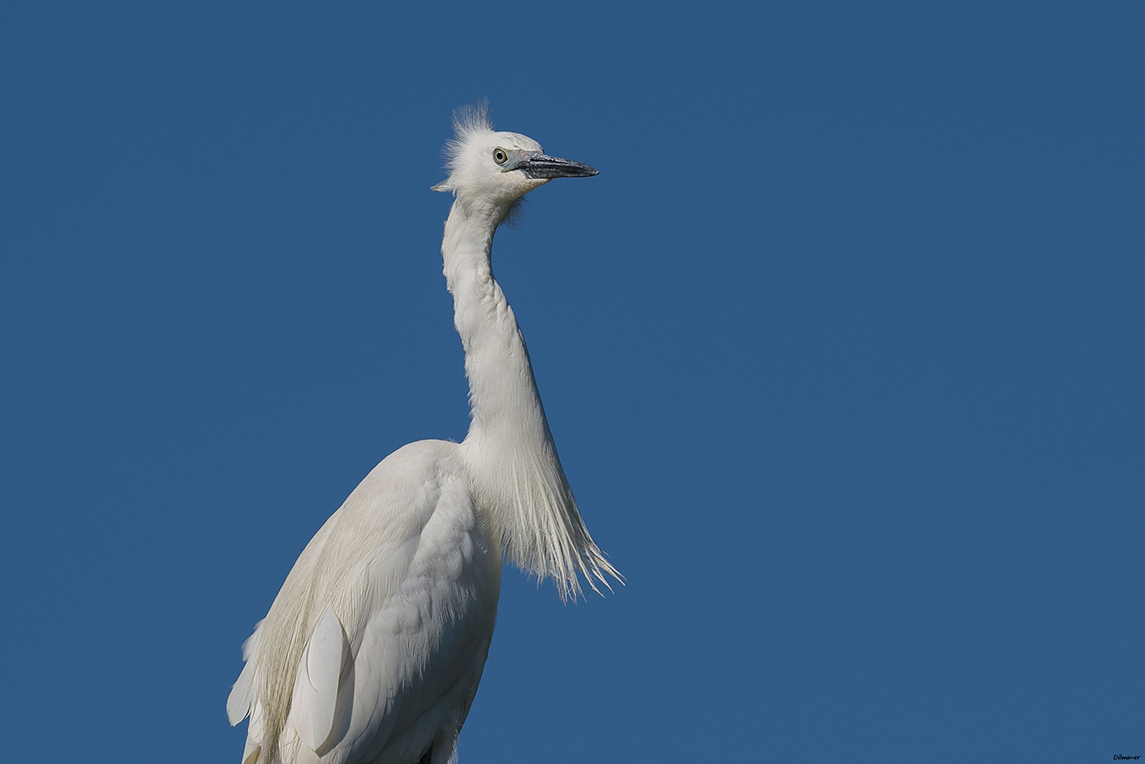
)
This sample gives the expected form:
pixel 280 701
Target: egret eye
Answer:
pixel 499 156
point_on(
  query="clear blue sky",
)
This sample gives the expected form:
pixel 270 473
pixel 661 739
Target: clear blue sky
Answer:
pixel 843 352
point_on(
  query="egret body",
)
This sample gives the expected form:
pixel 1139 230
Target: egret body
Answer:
pixel 373 648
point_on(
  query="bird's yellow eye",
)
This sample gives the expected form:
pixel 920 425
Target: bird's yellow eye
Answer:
pixel 499 156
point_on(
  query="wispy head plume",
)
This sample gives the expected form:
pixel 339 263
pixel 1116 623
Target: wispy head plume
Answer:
pixel 468 121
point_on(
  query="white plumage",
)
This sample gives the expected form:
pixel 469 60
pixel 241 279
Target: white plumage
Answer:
pixel 373 648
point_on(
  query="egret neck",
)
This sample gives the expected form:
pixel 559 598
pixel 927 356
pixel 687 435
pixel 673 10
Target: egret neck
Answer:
pixel 516 474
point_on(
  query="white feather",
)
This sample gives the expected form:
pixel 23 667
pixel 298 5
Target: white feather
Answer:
pixel 238 703
pixel 316 681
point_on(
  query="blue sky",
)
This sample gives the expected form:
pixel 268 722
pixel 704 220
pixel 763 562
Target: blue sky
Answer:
pixel 842 351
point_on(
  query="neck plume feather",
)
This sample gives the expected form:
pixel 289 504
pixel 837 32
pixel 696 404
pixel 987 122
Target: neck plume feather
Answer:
pixel 509 450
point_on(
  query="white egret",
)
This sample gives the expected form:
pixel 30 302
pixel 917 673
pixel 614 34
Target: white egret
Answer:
pixel 374 646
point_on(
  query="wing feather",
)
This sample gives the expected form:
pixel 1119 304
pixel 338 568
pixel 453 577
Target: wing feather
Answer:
pixel 239 701
pixel 316 682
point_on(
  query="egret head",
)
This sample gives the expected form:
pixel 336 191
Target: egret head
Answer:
pixel 498 168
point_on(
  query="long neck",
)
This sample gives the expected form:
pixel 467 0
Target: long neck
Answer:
pixel 509 450
pixel 503 395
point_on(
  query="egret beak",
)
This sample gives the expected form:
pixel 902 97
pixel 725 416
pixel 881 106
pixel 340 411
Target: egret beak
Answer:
pixel 542 167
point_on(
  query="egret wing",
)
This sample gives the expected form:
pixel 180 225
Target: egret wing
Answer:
pixel 396 596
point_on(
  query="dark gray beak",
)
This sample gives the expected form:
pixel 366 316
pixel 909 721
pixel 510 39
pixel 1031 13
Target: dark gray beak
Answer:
pixel 542 167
